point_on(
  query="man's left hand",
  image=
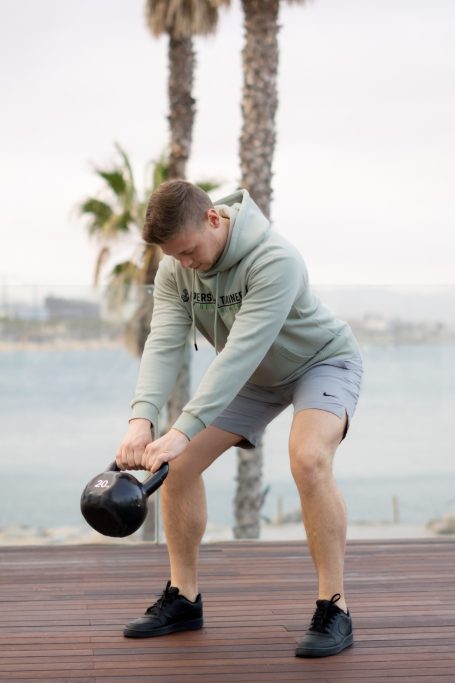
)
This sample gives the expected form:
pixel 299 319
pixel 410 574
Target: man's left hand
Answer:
pixel 164 449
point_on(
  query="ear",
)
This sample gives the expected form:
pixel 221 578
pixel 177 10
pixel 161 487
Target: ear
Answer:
pixel 213 217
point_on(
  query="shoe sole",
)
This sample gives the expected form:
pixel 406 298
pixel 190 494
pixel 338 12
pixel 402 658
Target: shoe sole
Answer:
pixel 308 652
pixel 164 630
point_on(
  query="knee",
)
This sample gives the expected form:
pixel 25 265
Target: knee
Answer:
pixel 311 463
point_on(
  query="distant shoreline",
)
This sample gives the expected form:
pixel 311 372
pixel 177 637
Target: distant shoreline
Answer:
pixel 108 344
pixel 62 345
pixel 13 535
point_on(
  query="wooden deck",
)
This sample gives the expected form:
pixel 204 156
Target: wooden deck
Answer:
pixel 62 609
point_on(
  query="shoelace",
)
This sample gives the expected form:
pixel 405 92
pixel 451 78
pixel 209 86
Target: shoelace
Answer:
pixel 324 614
pixel 168 595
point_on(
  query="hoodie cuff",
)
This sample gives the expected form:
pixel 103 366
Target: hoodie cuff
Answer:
pixel 189 425
pixel 145 410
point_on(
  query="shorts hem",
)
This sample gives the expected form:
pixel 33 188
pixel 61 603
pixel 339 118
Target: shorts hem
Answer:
pixel 326 409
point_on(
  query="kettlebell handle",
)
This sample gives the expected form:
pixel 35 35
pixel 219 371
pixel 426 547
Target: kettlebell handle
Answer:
pixel 151 483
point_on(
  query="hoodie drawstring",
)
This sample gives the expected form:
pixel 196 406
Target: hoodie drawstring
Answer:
pixel 215 317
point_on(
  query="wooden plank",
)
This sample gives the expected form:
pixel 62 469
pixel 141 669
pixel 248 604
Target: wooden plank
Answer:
pixel 62 612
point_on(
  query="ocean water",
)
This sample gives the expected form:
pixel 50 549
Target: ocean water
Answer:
pixel 63 413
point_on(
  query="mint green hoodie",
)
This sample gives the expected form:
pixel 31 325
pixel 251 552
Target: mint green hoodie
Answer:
pixel 255 306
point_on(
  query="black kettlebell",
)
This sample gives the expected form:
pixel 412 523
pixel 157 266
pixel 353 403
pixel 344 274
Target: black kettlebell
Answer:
pixel 114 503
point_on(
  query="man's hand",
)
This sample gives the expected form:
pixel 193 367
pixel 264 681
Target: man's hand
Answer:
pixel 164 449
pixel 131 451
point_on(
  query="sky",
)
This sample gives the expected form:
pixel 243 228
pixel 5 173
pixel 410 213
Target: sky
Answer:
pixel 363 171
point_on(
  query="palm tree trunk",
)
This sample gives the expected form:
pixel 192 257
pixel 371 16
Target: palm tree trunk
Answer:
pixel 182 104
pixel 259 99
pixel 257 145
pixel 182 62
pixel 249 496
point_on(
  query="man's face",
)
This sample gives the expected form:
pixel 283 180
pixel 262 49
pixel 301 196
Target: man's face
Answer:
pixel 199 247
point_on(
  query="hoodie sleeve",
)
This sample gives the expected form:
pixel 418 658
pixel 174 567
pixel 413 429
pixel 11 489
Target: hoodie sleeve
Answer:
pixel 273 283
pixel 164 348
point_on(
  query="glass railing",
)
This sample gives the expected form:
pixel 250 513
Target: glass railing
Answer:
pixel 68 367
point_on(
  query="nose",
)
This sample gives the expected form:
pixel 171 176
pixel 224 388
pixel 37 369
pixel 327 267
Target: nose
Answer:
pixel 185 261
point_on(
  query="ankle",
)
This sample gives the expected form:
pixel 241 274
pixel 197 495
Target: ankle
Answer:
pixel 341 603
pixel 190 592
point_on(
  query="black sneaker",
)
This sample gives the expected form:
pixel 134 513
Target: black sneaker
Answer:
pixel 171 612
pixel 330 630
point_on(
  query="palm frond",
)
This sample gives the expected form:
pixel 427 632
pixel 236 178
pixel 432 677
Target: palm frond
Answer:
pixel 208 185
pixel 182 18
pixel 100 213
pixel 127 271
pixel 115 181
pixel 160 171
pixel 127 165
pixel 122 222
pixel 100 261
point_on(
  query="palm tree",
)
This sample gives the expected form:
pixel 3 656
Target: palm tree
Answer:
pixel 181 20
pixel 257 146
pixel 115 217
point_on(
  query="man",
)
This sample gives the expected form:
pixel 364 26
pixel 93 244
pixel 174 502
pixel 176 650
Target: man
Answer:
pixel 227 274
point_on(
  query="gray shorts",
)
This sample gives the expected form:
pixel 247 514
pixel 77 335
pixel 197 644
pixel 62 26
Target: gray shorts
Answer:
pixel 333 385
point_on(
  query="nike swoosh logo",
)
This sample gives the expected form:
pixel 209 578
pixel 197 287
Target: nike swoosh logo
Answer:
pixel 331 395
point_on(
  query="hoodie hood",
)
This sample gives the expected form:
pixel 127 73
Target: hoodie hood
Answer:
pixel 248 228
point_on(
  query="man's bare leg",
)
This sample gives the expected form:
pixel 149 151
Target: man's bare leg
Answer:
pixel 315 435
pixel 184 507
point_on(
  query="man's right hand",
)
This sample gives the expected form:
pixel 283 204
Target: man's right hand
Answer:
pixel 130 452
